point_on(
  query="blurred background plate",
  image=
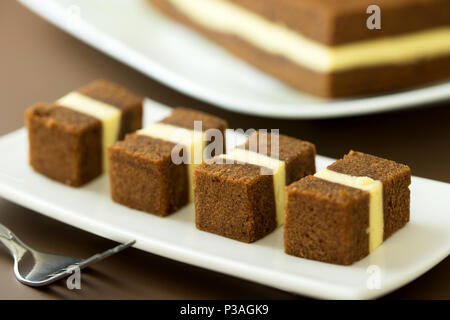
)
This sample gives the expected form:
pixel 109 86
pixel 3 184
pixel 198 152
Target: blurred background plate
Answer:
pixel 137 35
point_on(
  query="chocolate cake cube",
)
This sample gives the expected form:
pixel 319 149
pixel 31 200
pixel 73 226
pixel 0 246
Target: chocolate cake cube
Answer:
pixel 234 201
pixel 64 145
pixel 142 173
pixel 68 139
pixel 240 200
pixel 326 221
pixel 395 178
pixel 346 211
pixel 143 176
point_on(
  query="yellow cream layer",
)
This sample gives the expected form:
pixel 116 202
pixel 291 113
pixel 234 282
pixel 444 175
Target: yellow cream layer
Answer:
pixel 193 141
pixel 225 17
pixel 278 171
pixel 375 189
pixel 107 114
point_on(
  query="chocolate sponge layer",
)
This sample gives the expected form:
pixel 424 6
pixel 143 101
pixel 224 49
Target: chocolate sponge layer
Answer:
pixel 185 118
pixel 143 176
pixel 234 200
pixel 64 145
pixel 326 221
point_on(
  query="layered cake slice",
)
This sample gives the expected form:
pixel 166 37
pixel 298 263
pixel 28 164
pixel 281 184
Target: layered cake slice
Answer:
pixel 68 138
pixel 329 48
pixel 343 213
pixel 240 195
pixel 151 170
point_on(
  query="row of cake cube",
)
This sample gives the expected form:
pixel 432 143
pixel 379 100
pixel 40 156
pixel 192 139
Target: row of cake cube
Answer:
pixel 338 215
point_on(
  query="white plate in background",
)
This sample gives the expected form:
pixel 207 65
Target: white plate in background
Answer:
pixel 410 252
pixel 134 33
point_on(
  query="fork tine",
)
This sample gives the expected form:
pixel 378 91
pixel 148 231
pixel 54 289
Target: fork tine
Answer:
pixel 101 256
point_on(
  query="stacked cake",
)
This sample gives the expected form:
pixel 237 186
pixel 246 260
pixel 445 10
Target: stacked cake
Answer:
pixel 143 172
pixel 329 48
pixel 68 138
pixel 346 211
pixel 240 195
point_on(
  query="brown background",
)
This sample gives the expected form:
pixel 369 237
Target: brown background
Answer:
pixel 40 62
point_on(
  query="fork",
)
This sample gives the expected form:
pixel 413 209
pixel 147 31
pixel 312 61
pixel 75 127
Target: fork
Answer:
pixel 35 268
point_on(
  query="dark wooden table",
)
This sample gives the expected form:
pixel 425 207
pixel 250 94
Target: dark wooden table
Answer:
pixel 38 62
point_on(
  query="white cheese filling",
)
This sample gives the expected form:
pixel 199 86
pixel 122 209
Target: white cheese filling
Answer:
pixel 108 115
pixel 223 16
pixel 375 189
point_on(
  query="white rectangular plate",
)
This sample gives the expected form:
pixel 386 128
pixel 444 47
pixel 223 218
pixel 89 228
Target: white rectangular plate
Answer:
pixel 410 252
pixel 137 35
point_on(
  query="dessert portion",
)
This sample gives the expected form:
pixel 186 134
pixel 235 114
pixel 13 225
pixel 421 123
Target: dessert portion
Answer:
pixel 240 195
pixel 343 213
pixel 151 170
pixel 324 47
pixel 68 138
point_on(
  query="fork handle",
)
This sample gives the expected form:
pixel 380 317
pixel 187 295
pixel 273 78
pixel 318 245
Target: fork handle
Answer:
pixel 14 245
